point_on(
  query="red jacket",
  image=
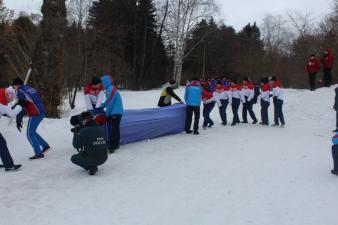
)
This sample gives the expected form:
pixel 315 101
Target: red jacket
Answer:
pixel 90 90
pixel 277 84
pixel 206 95
pixel 221 89
pixel 3 99
pixel 249 85
pixel 327 60
pixel 236 87
pixel 265 87
pixel 313 66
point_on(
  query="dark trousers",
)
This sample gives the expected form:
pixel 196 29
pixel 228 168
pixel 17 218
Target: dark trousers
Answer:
pixel 247 107
pixel 86 162
pixel 312 80
pixel 192 110
pixel 335 157
pixel 207 108
pixel 223 110
pixel 4 153
pixel 327 77
pixel 264 112
pixel 279 116
pixel 113 131
pixel 236 102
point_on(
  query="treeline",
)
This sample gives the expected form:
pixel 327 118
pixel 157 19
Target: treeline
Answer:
pixel 119 38
pixel 143 43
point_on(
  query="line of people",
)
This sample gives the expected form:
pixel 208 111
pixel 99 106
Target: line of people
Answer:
pixel 222 93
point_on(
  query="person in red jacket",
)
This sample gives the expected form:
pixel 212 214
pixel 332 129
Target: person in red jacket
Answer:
pixel 313 68
pixel 327 61
pixel 209 102
pixel 94 94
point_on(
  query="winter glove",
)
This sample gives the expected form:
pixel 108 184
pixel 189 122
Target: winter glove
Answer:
pixel 20 103
pixel 19 118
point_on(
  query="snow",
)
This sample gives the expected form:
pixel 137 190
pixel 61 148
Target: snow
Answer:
pixel 243 175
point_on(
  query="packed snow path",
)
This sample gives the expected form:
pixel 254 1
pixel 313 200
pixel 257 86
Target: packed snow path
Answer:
pixel 241 175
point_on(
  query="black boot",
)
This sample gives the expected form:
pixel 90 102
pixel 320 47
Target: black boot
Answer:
pixel 46 149
pixel 40 156
pixel 334 172
pixel 92 170
pixel 14 168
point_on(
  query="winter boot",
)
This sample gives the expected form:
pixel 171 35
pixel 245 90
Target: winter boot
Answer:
pixel 334 172
pixel 40 156
pixel 92 171
pixel 196 132
pixel 46 149
pixel 14 168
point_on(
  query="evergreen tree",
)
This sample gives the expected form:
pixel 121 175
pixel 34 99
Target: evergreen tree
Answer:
pixel 48 57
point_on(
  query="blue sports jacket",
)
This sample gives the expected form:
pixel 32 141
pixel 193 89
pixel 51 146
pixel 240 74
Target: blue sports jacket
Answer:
pixel 112 105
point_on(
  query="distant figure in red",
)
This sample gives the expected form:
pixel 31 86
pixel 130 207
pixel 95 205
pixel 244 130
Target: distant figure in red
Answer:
pixel 313 68
pixel 327 61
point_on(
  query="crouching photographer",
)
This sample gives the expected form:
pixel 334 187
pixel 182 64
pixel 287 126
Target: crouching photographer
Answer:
pixel 89 139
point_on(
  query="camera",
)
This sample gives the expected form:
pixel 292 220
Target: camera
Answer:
pixel 75 130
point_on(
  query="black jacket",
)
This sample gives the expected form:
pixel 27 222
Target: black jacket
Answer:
pixel 91 142
pixel 335 107
pixel 166 95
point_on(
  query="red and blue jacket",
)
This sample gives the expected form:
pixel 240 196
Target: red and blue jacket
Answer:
pixel 32 101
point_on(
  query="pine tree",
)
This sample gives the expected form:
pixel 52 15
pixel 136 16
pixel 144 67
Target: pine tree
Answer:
pixel 48 57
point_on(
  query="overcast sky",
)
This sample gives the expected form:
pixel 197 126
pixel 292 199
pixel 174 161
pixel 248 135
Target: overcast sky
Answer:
pixel 233 12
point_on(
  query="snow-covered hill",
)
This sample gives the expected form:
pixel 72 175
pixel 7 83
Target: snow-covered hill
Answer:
pixel 241 175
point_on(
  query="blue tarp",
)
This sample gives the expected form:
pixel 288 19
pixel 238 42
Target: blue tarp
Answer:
pixel 142 124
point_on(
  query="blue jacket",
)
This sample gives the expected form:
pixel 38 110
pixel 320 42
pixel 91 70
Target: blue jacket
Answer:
pixel 193 95
pixel 335 139
pixel 113 106
pixel 31 100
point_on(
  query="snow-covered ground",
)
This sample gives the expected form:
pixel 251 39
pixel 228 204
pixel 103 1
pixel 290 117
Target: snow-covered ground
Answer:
pixel 243 175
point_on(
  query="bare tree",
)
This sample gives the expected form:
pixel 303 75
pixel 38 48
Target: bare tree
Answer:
pixel 78 11
pixel 303 23
pixel 182 16
pixel 277 35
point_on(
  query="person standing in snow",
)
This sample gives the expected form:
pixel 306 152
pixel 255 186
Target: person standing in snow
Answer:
pixel 327 61
pixel 193 97
pixel 313 68
pixel 249 94
pixel 6 96
pixel 114 111
pixel 265 101
pixel 91 144
pixel 335 107
pixel 167 94
pixel 237 98
pixel 278 100
pixel 334 171
pixel 29 99
pixel 225 97
pixel 94 94
pixel 209 102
